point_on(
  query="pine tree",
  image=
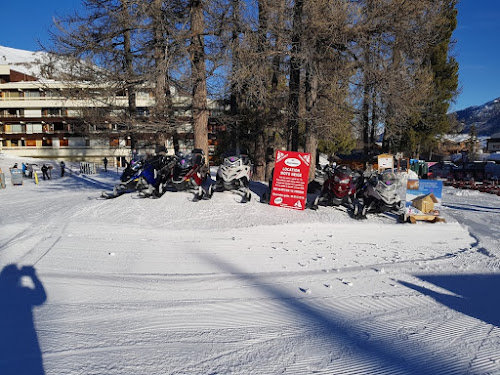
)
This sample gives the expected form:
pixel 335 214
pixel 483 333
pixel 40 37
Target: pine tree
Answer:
pixel 435 120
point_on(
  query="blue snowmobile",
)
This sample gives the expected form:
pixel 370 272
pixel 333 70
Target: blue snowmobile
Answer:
pixel 149 177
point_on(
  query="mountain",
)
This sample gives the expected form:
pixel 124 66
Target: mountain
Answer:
pixel 42 65
pixel 27 62
pixel 485 117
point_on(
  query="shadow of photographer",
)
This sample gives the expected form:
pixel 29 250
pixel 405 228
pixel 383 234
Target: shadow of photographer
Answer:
pixel 19 348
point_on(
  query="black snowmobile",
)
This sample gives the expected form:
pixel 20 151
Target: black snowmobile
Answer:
pixel 149 177
pixel 379 194
pixel 191 172
pixel 160 172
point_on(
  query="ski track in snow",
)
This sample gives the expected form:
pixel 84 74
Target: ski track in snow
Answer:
pixel 169 286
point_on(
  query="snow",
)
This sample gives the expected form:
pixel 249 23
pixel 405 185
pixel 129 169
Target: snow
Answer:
pixel 23 61
pixel 171 286
pixel 493 157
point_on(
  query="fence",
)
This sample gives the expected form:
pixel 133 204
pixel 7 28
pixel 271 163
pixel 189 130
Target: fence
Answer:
pixel 87 168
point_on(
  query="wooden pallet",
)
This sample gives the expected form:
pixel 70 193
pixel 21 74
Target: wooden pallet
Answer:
pixel 429 218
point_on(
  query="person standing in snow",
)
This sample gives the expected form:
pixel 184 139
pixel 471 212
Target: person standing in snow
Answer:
pixel 44 172
pixel 63 165
pixel 105 161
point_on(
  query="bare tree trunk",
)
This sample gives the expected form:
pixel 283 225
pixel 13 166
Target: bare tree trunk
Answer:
pixel 163 100
pixel 234 98
pixel 260 152
pixel 311 146
pixel 129 69
pixel 162 112
pixel 365 116
pixel 199 81
pixel 128 59
pixel 260 138
pixel 374 119
pixel 277 75
pixel 294 84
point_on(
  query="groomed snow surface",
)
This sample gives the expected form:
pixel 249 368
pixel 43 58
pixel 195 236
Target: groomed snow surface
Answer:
pixel 170 286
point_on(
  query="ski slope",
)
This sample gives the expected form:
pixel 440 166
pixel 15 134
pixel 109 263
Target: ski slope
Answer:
pixel 169 286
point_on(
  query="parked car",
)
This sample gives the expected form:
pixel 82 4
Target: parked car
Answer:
pixel 443 169
pixel 476 170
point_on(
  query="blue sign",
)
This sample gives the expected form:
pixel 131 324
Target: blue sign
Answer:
pixel 417 190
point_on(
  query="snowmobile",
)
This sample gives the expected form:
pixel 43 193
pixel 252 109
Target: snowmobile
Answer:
pixel 339 188
pixel 235 173
pixel 148 177
pixel 158 175
pixel 131 169
pixel 379 194
pixel 190 172
pixel 129 180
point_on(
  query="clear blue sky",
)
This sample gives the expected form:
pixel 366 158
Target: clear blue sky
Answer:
pixel 477 40
pixel 477 51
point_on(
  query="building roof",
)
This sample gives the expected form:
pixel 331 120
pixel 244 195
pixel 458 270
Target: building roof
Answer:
pixel 428 196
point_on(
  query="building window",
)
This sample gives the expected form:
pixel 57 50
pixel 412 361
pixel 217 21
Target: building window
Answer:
pixel 52 93
pixel 114 142
pixel 47 142
pixel 48 128
pixel 14 94
pixel 31 143
pixel 54 112
pixel 63 142
pixel 12 113
pixel 37 128
pixel 32 93
pixel 142 111
pixel 18 128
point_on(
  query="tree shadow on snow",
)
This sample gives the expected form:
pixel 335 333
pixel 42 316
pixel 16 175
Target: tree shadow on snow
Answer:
pixel 472 207
pixel 474 295
pixel 386 353
pixel 19 349
pixel 75 181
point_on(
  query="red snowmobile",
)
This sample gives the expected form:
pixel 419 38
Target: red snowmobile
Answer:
pixel 339 187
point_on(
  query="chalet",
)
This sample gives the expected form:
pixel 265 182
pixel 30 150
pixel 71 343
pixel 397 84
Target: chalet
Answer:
pixel 493 143
pixel 425 203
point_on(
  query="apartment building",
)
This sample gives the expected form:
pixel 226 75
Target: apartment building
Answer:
pixel 40 118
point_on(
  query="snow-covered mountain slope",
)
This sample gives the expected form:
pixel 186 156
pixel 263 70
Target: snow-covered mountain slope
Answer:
pixel 485 117
pixel 27 62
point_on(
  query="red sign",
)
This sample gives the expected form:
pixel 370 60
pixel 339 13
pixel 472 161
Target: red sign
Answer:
pixel 291 174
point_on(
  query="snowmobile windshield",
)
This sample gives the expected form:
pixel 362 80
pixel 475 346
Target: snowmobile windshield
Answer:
pixel 389 181
pixel 344 169
pixel 184 162
pixel 342 175
pixel 197 159
pixel 136 164
pixel 232 161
